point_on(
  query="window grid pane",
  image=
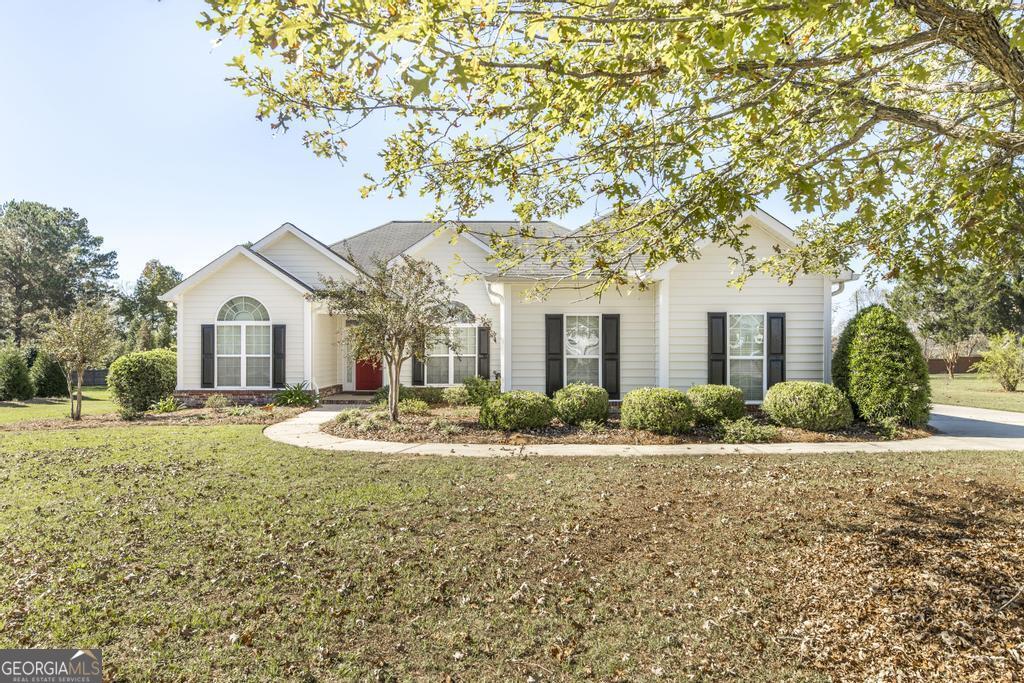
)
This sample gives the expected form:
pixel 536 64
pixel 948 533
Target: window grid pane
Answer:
pixel 257 340
pixel 229 371
pixel 437 370
pixel 257 371
pixel 464 366
pixel 582 335
pixel 466 340
pixel 746 335
pixel 243 308
pixel 748 375
pixel 229 339
pixel 582 370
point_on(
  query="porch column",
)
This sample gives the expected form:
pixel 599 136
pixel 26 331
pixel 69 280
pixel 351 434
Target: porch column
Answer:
pixel 664 379
pixel 307 343
pixel 500 294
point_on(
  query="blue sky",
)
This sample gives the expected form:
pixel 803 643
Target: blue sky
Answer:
pixel 120 111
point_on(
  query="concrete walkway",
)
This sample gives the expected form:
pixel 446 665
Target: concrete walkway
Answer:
pixel 968 429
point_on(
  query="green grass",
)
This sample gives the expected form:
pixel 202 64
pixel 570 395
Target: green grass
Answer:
pixel 212 553
pixel 95 401
pixel 970 389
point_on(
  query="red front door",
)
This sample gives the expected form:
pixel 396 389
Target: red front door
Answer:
pixel 368 376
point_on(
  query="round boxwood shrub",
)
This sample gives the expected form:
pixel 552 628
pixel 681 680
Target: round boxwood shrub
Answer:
pixel 713 403
pixel 889 382
pixel 659 410
pixel 517 410
pixel 808 405
pixel 578 403
pixel 841 355
pixel 455 396
pixel 138 380
pixel 47 376
pixel 15 384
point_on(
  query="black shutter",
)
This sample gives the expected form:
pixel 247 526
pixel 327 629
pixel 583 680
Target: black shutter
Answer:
pixel 483 352
pixel 610 354
pixel 717 353
pixel 417 372
pixel 278 349
pixel 776 348
pixel 553 351
pixel 206 355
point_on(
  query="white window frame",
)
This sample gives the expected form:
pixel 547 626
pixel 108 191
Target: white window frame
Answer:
pixel 600 346
pixel 451 360
pixel 243 324
pixel 763 357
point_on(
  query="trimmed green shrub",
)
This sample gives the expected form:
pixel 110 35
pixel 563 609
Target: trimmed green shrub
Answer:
pixel 515 410
pixel 167 364
pixel 808 405
pixel 138 380
pixel 297 394
pixel 746 430
pixel 577 403
pixel 48 377
pixel 1004 361
pixel 480 389
pixel 841 355
pixel 15 383
pixel 455 396
pixel 659 410
pixel 889 382
pixel 216 402
pixel 413 406
pixel 713 403
pixel 432 395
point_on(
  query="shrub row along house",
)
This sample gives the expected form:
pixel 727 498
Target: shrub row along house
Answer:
pixel 246 325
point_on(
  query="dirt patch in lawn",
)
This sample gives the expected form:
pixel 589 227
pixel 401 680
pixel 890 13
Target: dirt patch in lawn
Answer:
pixel 461 425
pixel 240 415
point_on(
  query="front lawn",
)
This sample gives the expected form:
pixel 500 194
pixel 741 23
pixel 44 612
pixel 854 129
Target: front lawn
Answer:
pixel 95 401
pixel 194 553
pixel 970 389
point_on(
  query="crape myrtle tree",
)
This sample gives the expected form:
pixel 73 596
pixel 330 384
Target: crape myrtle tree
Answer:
pixel 398 308
pixel 894 124
pixel 78 340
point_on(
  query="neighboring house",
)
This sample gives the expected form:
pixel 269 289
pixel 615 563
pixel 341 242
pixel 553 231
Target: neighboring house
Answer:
pixel 245 325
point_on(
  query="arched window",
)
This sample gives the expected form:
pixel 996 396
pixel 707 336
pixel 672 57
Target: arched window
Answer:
pixel 243 344
pixel 446 365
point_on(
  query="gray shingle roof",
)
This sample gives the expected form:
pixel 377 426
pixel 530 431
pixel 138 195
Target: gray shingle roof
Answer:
pixel 391 239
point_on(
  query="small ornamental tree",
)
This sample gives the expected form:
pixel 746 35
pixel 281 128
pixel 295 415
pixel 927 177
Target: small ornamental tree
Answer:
pixel 398 309
pixel 1004 361
pixel 78 340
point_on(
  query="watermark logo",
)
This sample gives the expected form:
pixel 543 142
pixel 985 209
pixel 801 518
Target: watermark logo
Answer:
pixel 51 666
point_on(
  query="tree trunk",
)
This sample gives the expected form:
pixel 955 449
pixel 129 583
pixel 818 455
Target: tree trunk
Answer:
pixel 78 398
pixel 394 372
pixel 68 375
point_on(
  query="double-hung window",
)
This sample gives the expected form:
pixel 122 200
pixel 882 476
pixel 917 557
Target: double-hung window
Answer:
pixel 243 344
pixel 583 349
pixel 451 365
pixel 746 354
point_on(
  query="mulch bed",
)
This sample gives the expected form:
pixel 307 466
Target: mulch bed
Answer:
pixel 460 425
pixel 188 416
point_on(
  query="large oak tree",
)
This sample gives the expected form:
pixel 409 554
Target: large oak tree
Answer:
pixel 894 123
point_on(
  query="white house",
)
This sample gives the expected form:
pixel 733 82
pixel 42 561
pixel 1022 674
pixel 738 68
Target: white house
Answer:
pixel 246 326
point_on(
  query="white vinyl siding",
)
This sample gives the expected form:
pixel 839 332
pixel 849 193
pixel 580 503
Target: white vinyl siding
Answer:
pixel 700 287
pixel 239 277
pixel 637 333
pixel 326 350
pixel 302 260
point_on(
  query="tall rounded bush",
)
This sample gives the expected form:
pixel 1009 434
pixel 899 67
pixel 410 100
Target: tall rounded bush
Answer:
pixel 659 410
pixel 47 376
pixel 138 380
pixel 841 355
pixel 888 382
pixel 713 403
pixel 578 403
pixel 517 410
pixel 808 405
pixel 15 384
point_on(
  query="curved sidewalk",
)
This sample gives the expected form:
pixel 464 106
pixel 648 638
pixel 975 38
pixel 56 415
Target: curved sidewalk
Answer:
pixel 968 429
